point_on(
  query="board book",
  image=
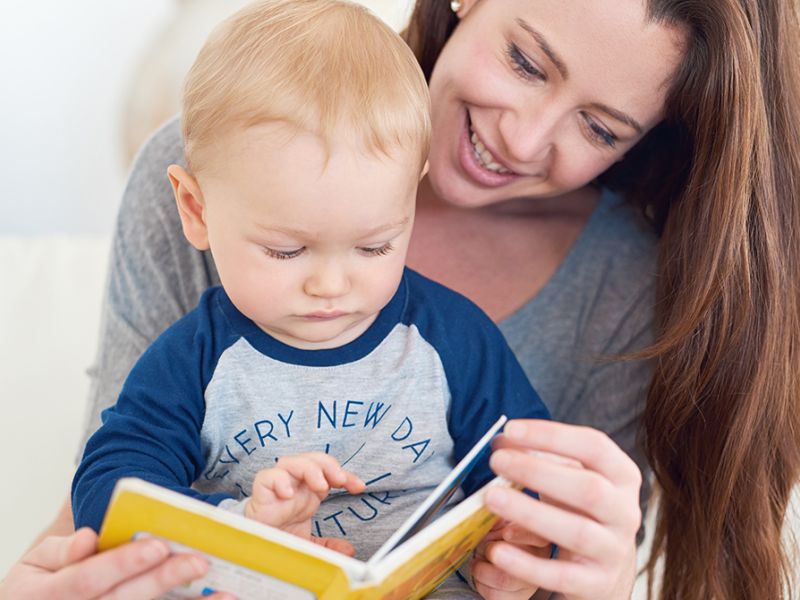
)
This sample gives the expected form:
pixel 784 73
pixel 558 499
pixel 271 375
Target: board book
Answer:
pixel 252 560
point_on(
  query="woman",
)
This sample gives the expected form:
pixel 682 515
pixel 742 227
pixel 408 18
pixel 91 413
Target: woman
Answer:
pixel 688 108
pixel 719 176
pixel 67 567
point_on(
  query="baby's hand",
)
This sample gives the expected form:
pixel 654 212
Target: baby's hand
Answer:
pixel 288 495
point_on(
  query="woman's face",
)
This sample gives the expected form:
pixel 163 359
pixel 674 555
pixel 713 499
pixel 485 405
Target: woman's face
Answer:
pixel 537 98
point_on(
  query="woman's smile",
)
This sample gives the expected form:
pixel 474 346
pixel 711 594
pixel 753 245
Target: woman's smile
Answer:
pixel 479 163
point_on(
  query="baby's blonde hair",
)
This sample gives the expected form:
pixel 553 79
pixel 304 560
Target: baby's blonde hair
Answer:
pixel 325 66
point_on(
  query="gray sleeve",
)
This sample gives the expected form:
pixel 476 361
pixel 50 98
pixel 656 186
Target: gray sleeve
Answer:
pixel 155 276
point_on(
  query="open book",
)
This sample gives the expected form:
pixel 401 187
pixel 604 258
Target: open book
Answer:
pixel 252 560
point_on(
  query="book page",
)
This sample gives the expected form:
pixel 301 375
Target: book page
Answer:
pixel 434 503
pixel 419 565
pixel 225 576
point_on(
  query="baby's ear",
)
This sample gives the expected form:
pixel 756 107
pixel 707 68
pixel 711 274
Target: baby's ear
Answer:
pixel 191 206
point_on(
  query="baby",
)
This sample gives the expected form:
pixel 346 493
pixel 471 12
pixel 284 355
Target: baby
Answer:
pixel 306 128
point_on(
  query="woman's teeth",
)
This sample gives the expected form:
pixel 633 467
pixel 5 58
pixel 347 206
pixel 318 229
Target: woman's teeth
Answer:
pixel 484 156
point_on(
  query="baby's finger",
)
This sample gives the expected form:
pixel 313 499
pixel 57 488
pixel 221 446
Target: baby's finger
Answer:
pixel 336 544
pixel 335 475
pixel 341 478
pixel 272 484
pixel 353 483
pixel 308 468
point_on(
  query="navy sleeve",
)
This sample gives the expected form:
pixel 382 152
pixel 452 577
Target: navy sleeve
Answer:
pixel 153 432
pixel 484 376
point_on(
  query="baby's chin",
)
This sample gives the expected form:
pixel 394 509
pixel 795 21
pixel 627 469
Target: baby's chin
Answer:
pixel 318 336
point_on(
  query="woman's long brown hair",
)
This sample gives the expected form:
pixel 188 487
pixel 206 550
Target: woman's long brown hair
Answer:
pixel 720 178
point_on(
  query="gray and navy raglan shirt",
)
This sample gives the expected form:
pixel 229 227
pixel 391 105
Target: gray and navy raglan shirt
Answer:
pixel 215 399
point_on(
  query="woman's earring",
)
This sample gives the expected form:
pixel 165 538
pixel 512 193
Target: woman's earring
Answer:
pixel 455 5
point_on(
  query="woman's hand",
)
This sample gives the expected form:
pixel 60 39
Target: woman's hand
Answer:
pixel 490 581
pixel 68 568
pixel 589 508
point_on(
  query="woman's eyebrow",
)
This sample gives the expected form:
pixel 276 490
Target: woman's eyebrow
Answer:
pixel 562 69
pixel 545 47
pixel 621 117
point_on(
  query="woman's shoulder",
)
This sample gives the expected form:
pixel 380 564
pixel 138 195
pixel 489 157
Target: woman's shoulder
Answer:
pixel 611 266
pixel 148 200
pixel 165 143
pixel 608 276
pixel 151 258
pixel 621 239
pixel 148 178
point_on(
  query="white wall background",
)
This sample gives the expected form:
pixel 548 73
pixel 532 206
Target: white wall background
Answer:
pixel 66 70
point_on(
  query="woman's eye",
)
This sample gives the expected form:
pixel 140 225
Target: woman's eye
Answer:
pixel 377 250
pixel 283 254
pixel 521 64
pixel 599 133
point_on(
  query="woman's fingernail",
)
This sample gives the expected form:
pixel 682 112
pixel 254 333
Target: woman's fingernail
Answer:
pixel 195 566
pixel 499 461
pixel 555 458
pixel 155 551
pixel 496 498
pixel 514 430
pixel 500 554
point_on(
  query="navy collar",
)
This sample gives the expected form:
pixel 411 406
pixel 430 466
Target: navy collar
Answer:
pixel 387 319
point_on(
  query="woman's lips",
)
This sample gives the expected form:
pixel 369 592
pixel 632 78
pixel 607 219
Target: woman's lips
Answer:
pixel 473 167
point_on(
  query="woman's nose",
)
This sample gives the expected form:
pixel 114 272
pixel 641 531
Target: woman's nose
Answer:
pixel 529 136
pixel 328 280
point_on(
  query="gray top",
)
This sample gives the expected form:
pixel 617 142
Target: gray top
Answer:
pixel 598 304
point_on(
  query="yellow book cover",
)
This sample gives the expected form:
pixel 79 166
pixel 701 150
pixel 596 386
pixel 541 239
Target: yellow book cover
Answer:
pixel 253 560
